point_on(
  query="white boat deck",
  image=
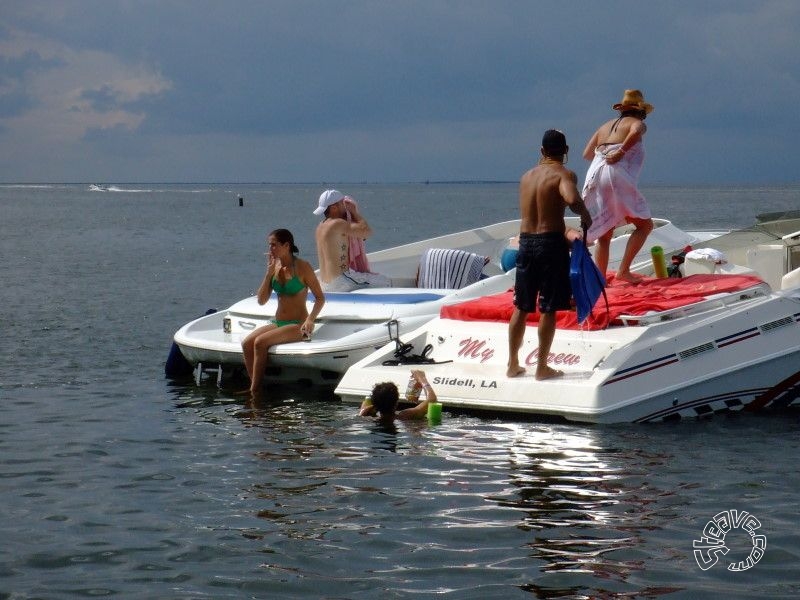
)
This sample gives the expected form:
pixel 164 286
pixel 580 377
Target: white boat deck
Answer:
pixel 623 373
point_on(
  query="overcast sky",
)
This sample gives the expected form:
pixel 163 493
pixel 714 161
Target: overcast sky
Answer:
pixel 118 91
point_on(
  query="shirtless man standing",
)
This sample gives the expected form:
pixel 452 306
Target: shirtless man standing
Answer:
pixel 333 244
pixel 543 259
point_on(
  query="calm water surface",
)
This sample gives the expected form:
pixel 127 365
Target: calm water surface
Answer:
pixel 117 482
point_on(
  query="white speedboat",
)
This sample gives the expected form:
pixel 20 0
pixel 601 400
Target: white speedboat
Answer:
pixel 725 337
pixel 352 325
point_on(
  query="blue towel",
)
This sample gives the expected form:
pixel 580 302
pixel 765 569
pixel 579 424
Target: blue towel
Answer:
pixel 586 279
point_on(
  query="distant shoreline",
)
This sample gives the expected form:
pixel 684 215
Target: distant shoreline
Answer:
pixel 322 183
pixel 349 183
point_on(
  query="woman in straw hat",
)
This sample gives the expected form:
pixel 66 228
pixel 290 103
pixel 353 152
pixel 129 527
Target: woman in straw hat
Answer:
pixel 610 191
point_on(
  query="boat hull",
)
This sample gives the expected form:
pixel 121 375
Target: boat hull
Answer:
pixel 345 343
pixel 725 358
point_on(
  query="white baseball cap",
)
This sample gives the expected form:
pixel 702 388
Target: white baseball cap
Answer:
pixel 326 199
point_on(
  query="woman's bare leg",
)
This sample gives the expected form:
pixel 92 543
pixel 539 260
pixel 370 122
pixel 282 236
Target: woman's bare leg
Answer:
pixel 602 251
pixel 248 348
pixel 635 243
pixel 263 342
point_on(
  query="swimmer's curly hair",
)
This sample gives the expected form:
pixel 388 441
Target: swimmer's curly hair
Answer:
pixel 385 397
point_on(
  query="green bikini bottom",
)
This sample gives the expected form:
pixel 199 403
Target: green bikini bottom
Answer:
pixel 282 323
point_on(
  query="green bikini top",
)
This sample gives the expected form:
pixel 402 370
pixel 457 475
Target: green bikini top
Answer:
pixel 290 288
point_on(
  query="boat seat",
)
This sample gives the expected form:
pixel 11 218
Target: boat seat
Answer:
pixel 385 296
pixel 448 268
pixel 769 260
pixel 704 266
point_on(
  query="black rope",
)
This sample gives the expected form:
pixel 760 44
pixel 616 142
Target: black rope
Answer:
pixel 402 351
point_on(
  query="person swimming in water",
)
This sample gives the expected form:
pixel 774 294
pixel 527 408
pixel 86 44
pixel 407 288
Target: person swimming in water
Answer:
pixel 385 397
pixel 291 278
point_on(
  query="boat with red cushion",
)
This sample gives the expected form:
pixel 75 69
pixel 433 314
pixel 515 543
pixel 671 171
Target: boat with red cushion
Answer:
pixel 724 337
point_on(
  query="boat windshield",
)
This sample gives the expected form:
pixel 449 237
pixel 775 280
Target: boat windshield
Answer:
pixel 779 223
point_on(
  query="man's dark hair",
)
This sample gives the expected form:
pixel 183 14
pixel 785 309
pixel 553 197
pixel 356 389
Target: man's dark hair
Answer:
pixel 385 397
pixel 554 143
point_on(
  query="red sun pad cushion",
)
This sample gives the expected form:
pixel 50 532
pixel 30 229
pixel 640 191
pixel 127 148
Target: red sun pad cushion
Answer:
pixel 623 299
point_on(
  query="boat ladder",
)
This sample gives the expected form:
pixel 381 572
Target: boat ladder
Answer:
pixel 201 369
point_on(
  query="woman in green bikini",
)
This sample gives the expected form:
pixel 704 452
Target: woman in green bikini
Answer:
pixel 291 278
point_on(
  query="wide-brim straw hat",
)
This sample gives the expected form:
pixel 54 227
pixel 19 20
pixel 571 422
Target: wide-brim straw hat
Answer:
pixel 634 99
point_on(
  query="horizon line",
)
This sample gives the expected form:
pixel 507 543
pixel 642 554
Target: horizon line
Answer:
pixel 406 182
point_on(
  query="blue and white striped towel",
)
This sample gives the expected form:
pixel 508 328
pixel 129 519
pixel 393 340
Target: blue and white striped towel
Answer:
pixel 445 268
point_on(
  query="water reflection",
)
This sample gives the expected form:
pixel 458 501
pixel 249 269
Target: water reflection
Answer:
pixel 586 505
pixel 563 511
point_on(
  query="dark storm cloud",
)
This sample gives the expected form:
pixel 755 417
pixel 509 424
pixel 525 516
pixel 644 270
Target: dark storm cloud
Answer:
pixel 16 68
pixel 465 86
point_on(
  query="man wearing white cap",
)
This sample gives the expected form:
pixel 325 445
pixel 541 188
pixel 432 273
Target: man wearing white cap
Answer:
pixel 340 245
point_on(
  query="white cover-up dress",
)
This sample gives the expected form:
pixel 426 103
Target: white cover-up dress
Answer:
pixel 610 191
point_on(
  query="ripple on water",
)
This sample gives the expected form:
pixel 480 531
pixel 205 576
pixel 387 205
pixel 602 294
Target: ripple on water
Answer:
pixel 114 481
